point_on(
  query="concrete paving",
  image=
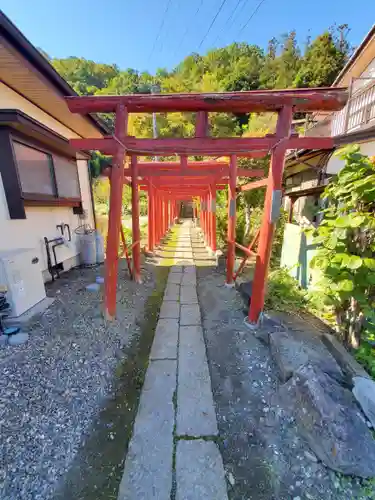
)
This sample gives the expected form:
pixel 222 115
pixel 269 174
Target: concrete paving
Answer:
pixel 190 315
pixel 195 407
pixel 188 294
pixel 165 340
pixel 174 278
pixel 170 309
pixel 176 406
pixel 148 465
pixel 172 292
pixel 199 471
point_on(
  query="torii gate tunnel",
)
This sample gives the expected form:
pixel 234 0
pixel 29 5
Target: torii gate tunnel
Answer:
pixel 167 183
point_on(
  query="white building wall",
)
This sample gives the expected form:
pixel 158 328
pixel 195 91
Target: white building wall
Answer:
pixel 42 221
pixel 334 164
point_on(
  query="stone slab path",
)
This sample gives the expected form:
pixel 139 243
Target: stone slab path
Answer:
pixel 173 453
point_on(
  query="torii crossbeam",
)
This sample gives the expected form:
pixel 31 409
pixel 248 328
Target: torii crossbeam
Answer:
pixel 173 181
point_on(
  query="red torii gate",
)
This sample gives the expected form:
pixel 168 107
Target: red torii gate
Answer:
pixel 120 144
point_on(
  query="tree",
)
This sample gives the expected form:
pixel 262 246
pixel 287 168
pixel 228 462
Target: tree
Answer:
pixel 86 77
pixel 269 71
pixel 322 62
pixel 288 62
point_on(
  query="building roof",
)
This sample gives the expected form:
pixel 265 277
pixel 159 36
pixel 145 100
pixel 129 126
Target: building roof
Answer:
pixel 12 44
pixel 354 57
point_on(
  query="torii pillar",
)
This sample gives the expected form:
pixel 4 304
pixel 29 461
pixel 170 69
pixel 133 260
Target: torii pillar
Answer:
pixel 114 220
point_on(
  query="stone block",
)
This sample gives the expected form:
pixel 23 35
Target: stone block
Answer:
pixel 189 279
pixel 172 292
pixel 174 278
pixel 18 338
pixel 188 294
pixel 199 471
pixel 348 364
pixel 148 465
pixel 364 392
pixel 190 315
pixel 176 269
pixel 328 417
pixel 190 269
pixel 165 340
pixel 195 406
pixel 169 309
pixel 290 353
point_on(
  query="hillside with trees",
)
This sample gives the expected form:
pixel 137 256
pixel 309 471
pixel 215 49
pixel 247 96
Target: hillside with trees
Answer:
pixel 236 67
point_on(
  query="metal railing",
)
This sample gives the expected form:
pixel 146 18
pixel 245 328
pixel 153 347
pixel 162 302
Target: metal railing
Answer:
pixel 358 113
pixel 361 107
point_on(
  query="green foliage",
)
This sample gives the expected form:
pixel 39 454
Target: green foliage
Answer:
pixel 256 221
pixel 321 63
pixel 366 356
pixel 97 163
pixel 86 77
pixel 346 239
pixel 288 62
pixel 284 293
pixel 236 67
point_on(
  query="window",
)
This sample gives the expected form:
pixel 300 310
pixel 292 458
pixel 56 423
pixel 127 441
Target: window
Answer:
pixel 37 167
pixel 45 175
pixel 66 177
pixel 34 170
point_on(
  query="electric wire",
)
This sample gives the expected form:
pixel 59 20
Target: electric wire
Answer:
pixel 230 20
pixel 188 27
pixel 212 22
pixel 251 17
pixel 160 29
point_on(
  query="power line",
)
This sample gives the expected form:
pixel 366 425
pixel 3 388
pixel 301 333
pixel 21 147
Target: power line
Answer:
pixel 188 27
pixel 212 22
pixel 251 17
pixel 239 12
pixel 228 24
pixel 160 29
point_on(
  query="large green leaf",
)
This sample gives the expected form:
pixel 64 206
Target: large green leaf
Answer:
pixel 319 262
pixel 343 221
pixel 352 262
pixel 333 270
pixel 331 242
pixel 341 233
pixel 345 285
pixel 370 263
pixel 339 257
pixel 356 220
pixel 321 238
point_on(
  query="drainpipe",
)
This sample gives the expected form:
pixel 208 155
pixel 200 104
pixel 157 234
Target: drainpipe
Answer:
pixel 92 197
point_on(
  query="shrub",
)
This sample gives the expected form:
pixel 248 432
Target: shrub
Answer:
pixel 345 256
pixel 284 293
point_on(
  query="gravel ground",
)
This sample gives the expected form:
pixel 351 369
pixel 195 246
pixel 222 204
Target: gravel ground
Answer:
pixel 57 386
pixel 264 456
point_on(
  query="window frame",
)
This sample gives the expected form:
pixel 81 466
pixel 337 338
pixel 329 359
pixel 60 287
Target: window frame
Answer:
pixel 40 199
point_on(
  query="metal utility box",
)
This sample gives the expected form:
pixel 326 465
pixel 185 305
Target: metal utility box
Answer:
pixel 21 274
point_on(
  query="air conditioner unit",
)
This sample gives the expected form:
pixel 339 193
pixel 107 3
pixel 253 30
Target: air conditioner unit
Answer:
pixel 21 274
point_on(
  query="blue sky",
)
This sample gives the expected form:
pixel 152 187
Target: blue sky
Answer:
pixel 126 32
